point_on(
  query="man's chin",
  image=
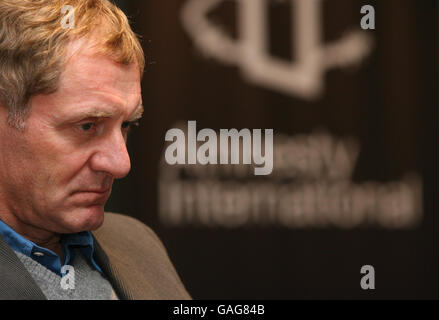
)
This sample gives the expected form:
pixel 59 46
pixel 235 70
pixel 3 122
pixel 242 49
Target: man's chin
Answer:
pixel 86 218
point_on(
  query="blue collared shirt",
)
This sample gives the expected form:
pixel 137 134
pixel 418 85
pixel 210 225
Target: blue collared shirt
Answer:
pixel 83 241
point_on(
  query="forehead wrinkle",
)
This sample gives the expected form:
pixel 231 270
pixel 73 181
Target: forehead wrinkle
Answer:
pixel 96 74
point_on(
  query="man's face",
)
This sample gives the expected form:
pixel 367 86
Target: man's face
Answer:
pixel 57 174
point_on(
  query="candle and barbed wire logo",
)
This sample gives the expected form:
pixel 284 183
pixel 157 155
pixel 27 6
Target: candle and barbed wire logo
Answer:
pixel 303 76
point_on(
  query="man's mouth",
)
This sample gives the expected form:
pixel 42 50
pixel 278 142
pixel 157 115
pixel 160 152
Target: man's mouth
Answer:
pixel 92 196
pixel 96 190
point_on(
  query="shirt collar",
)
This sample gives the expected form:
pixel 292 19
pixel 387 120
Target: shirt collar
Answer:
pixel 83 241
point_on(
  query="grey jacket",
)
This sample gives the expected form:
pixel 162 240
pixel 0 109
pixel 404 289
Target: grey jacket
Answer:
pixel 130 254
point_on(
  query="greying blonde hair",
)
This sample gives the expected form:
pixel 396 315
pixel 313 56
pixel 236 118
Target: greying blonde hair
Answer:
pixel 33 44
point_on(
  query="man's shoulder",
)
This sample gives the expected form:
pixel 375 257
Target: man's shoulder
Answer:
pixel 140 258
pixel 126 230
pixel 116 220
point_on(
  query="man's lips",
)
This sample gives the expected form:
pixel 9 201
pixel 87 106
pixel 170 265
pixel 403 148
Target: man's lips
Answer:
pixel 95 190
pixel 92 196
pixel 92 190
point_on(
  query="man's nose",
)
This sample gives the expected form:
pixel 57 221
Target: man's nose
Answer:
pixel 112 156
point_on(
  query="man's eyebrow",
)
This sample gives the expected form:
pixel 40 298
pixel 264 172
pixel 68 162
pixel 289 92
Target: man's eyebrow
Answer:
pixel 97 113
pixel 100 113
pixel 137 113
pixel 92 113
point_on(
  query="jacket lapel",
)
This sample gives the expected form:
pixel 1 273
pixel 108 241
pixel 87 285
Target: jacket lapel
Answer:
pixel 102 259
pixel 16 283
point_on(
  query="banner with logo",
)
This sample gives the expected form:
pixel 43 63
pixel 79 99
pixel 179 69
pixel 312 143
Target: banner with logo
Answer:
pixel 288 148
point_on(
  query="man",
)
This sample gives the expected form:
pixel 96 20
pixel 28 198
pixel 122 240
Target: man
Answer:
pixel 69 92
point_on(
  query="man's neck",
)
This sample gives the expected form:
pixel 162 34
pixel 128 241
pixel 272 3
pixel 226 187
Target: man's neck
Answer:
pixel 40 237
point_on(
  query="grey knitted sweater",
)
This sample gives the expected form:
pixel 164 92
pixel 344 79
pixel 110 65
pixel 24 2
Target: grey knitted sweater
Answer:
pixel 89 284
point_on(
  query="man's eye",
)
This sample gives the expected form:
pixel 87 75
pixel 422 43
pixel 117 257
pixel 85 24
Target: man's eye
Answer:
pixel 128 124
pixel 87 126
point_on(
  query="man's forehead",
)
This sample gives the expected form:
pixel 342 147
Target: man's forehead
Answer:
pixel 96 72
pixel 90 80
pixel 84 64
pixel 87 91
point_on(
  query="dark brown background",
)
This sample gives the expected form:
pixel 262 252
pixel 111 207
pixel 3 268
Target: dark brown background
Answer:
pixel 389 104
